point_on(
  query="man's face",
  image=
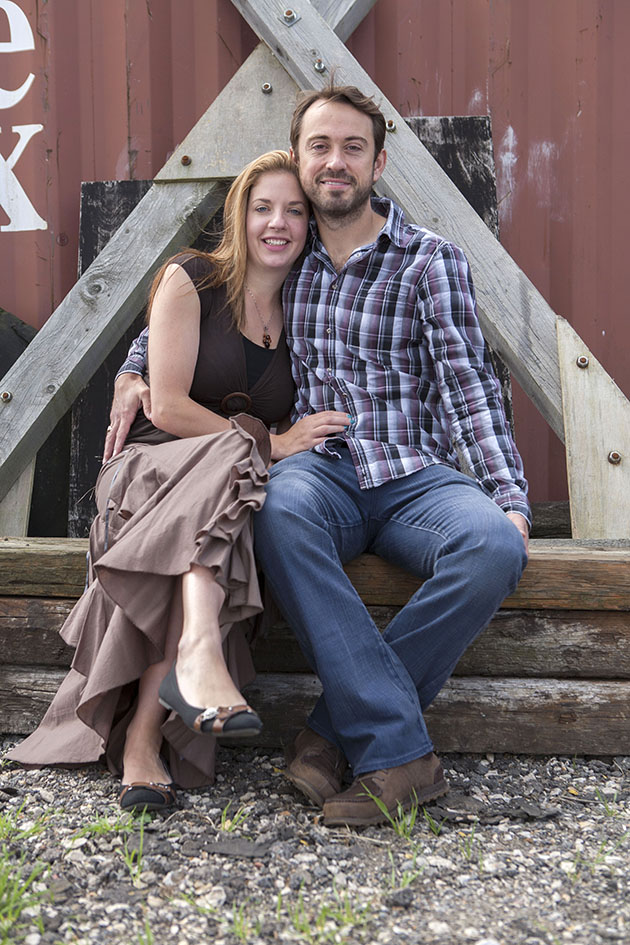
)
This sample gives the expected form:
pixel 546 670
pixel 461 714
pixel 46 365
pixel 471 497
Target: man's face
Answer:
pixel 336 159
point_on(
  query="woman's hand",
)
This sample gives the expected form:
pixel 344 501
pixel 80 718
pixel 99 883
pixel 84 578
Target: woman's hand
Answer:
pixel 308 432
pixel 130 393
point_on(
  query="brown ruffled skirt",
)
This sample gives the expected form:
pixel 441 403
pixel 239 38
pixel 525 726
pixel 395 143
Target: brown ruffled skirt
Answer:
pixel 162 508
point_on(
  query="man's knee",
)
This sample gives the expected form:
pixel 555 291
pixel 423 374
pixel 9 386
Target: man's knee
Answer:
pixel 504 551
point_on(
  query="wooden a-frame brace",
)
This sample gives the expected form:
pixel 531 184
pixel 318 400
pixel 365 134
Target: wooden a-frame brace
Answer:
pixel 252 114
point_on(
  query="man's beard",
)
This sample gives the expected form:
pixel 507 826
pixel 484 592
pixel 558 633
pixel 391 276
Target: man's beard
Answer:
pixel 339 208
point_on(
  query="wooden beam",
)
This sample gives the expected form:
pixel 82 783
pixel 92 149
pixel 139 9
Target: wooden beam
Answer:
pixel 597 436
pixel 15 507
pixel 561 574
pixel 564 644
pixel 259 100
pixel 471 714
pixel 516 319
pixel 564 574
pixel 576 644
pixel 345 14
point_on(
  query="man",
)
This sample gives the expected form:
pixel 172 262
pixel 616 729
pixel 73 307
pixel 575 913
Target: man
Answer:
pixel 381 323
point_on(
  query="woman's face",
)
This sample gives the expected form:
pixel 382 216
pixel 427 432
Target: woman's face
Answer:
pixel 277 220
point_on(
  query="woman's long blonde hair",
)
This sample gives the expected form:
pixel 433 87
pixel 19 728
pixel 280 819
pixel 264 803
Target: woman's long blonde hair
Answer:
pixel 229 259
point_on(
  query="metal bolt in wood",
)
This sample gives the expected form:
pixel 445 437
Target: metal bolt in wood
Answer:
pixel 266 88
pixel 186 160
pixel 6 396
pixel 319 65
pixel 582 361
pixel 289 17
pixel 390 124
pixel 614 457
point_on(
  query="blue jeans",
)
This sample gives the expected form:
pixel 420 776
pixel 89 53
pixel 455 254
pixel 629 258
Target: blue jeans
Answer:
pixel 437 524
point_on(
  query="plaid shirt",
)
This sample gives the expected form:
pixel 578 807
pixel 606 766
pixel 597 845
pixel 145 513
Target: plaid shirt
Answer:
pixel 393 340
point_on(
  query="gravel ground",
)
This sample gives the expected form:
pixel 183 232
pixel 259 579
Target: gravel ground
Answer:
pixel 522 851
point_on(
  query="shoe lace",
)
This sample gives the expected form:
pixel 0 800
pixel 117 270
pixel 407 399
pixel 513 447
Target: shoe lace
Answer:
pixel 373 781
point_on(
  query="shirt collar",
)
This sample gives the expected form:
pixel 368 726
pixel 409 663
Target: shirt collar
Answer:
pixel 393 228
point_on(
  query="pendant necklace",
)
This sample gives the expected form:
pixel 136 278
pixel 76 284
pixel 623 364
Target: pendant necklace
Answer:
pixel 266 338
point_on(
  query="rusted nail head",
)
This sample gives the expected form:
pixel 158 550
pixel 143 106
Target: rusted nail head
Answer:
pixel 186 160
pixel 582 361
pixel 614 457
pixel 6 396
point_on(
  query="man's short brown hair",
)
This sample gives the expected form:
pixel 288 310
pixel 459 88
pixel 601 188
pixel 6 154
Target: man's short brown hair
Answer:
pixel 348 95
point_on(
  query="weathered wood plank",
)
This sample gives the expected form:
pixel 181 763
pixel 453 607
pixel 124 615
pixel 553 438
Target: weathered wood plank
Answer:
pixel 345 14
pixel 29 631
pixel 597 438
pixel 516 320
pixel 561 574
pixel 16 505
pixel 564 644
pixel 472 714
pixel 42 567
pixel 580 644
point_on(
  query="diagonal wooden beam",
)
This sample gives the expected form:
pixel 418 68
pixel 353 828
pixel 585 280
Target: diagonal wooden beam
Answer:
pixel 597 430
pixel 77 337
pixel 516 319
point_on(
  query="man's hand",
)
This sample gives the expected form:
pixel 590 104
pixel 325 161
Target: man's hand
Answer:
pixel 130 392
pixel 521 523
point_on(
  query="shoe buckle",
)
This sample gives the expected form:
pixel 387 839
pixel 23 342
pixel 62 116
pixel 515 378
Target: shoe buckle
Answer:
pixel 208 715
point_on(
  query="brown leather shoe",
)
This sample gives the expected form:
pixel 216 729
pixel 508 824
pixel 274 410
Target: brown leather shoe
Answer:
pixel 315 766
pixel 417 781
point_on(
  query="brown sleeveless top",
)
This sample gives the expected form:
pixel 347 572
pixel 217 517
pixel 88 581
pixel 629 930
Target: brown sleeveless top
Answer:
pixel 220 379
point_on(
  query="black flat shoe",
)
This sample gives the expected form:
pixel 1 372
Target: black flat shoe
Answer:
pixel 232 721
pixel 147 795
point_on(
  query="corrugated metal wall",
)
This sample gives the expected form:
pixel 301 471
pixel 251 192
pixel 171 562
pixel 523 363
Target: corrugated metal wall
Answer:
pixel 116 85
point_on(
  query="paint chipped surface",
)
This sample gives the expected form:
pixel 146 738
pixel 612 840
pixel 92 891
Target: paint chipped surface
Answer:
pixel 507 158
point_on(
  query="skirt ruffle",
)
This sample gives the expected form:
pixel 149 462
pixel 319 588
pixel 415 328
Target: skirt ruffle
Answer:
pixel 162 508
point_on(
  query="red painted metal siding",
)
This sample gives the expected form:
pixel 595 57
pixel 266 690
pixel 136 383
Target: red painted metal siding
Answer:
pixel 118 84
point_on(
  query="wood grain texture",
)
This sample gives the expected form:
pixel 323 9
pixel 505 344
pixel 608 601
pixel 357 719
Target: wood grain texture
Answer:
pixel 564 644
pixel 597 423
pixel 343 15
pixel 516 320
pixel 545 643
pixel 16 505
pixel 471 714
pixel 562 574
pixel 42 567
pixel 29 631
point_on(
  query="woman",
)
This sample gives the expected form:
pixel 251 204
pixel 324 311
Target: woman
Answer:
pixel 161 652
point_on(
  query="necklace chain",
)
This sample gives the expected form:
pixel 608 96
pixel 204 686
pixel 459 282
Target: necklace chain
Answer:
pixel 266 338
